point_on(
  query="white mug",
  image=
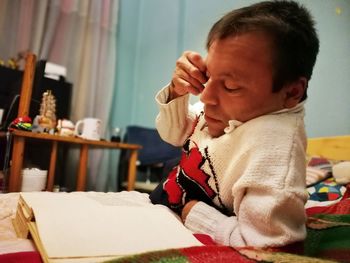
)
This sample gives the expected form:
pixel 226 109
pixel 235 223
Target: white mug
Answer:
pixel 88 128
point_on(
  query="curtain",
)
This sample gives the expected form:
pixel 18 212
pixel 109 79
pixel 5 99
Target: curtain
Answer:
pixel 79 35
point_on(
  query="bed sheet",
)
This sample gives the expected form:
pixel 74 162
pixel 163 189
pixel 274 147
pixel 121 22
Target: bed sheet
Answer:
pixel 328 219
pixel 9 243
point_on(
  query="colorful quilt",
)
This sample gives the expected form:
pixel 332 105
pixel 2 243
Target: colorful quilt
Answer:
pixel 328 240
pixel 327 190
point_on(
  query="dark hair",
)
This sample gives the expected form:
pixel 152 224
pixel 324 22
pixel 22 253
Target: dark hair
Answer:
pixel 292 29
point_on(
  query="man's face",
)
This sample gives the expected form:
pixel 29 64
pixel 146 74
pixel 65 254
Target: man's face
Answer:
pixel 240 76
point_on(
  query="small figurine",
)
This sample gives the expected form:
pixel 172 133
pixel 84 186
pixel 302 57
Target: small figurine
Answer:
pixel 37 125
pixel 65 127
pixel 46 121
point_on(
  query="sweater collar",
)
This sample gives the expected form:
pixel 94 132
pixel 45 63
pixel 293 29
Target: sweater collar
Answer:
pixel 233 124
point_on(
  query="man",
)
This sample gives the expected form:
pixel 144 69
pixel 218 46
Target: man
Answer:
pixel 241 178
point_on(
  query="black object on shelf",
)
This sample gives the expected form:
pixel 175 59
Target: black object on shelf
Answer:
pixel 10 87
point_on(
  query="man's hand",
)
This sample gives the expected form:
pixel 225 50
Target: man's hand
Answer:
pixel 187 208
pixel 189 75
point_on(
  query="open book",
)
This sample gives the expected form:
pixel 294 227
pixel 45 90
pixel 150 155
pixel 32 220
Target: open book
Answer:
pixel 66 226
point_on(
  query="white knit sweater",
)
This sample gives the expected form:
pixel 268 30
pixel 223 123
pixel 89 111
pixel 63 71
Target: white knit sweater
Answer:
pixel 257 171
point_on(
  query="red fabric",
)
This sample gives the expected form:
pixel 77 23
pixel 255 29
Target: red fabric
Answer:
pixel 214 254
pixel 340 208
pixel 204 239
pixel 21 257
pixel 347 192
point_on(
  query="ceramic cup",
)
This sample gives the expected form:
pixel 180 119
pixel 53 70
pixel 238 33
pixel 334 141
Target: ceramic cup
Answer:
pixel 88 128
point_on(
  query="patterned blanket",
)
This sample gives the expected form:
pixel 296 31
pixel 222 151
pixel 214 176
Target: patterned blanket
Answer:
pixel 328 240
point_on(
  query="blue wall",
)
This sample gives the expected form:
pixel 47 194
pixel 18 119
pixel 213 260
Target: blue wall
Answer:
pixel 153 33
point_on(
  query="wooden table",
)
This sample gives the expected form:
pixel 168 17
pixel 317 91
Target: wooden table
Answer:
pixel 19 138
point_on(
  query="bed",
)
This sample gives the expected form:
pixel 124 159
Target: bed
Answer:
pixel 328 210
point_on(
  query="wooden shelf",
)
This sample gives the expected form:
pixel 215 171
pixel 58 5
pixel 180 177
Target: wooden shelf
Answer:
pixel 19 138
pixel 76 140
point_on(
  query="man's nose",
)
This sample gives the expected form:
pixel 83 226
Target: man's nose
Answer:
pixel 209 95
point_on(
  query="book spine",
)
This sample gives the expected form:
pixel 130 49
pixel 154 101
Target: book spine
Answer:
pixel 20 224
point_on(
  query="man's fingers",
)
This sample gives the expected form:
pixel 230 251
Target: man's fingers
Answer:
pixel 189 75
pixel 194 68
pixel 197 60
pixel 183 86
pixel 180 73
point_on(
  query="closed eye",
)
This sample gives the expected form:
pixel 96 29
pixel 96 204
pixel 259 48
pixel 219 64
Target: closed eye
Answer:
pixel 232 89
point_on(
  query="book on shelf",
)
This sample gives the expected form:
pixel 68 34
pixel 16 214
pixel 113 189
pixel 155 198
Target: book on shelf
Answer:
pixel 75 227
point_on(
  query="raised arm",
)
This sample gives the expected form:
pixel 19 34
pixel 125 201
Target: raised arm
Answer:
pixel 175 119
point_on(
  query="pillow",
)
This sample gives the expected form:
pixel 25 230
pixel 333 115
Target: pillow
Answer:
pixel 341 172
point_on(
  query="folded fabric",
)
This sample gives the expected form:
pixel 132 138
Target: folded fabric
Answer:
pixel 317 170
pixel 315 175
pixel 321 163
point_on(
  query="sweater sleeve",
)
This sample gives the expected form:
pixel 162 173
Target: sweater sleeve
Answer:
pixel 268 202
pixel 264 219
pixel 174 120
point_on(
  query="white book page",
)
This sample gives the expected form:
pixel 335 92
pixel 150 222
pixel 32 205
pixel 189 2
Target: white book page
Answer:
pixel 78 226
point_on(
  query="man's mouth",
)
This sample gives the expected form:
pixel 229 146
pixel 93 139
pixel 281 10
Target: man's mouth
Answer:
pixel 210 119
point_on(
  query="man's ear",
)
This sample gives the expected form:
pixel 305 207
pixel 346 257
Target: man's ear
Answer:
pixel 294 91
